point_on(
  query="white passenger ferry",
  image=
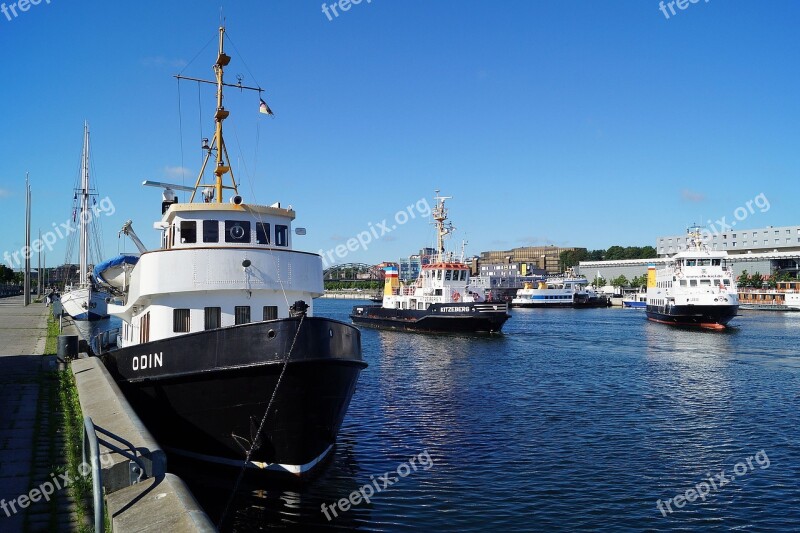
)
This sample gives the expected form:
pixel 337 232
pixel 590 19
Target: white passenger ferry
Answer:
pixel 566 291
pixel 697 288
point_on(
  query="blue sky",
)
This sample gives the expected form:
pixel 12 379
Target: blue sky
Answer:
pixel 569 123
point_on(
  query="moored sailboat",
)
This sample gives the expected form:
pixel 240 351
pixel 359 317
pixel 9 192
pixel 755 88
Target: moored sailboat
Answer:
pixel 84 300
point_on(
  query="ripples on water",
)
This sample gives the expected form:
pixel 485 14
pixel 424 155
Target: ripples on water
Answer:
pixel 573 419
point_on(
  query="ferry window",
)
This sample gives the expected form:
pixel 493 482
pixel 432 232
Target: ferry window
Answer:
pixel 693 283
pixel 144 328
pixel 180 320
pixel 270 312
pixel 213 317
pixel 683 283
pixel 705 282
pixel 210 231
pixel 717 282
pixel 237 231
pixel 447 275
pixel 281 235
pixel 690 262
pixel 437 292
pixel 262 233
pixel 715 262
pixel 439 274
pixel 188 231
pixel 242 314
pixel 463 275
pixel 726 282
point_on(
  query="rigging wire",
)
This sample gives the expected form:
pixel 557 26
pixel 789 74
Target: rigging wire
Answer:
pixel 261 425
pixel 180 134
pixel 198 53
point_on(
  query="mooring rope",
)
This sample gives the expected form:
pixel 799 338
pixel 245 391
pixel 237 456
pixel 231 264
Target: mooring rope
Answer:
pixel 261 426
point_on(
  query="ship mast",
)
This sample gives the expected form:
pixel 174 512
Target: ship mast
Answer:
pixel 217 145
pixel 84 216
pixel 442 230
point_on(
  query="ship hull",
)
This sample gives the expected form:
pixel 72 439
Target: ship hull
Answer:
pixel 438 318
pixel 85 304
pixel 702 316
pixel 204 395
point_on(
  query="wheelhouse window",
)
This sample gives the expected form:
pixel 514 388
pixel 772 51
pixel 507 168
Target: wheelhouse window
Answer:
pixel 262 233
pixel 281 235
pixel 447 275
pixel 213 317
pixel 180 320
pixel 188 231
pixel 270 312
pixel 237 231
pixel 210 231
pixel 242 314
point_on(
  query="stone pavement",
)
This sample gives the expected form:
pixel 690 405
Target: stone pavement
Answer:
pixel 31 444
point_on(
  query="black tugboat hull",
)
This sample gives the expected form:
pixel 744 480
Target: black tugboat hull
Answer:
pixel 701 316
pixel 203 395
pixel 438 318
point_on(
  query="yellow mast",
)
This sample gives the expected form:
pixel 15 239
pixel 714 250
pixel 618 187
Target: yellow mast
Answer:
pixel 222 166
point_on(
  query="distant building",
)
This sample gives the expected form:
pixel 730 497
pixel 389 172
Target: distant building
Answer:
pixel 523 261
pixel 739 241
pixel 411 266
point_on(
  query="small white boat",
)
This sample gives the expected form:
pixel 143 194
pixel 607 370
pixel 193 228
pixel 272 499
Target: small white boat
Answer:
pixel 566 291
pixel 793 301
pixel 635 300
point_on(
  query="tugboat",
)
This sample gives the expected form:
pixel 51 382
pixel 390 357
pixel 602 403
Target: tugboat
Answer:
pixel 566 291
pixel 697 288
pixel 440 300
pixel 220 353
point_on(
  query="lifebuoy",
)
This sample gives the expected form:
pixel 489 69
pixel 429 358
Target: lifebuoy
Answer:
pixel 456 296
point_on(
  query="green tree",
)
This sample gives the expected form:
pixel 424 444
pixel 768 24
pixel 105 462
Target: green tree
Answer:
pixel 744 279
pixel 599 281
pixel 596 255
pixel 570 258
pixel 648 252
pixel 615 252
pixel 756 280
pixel 620 281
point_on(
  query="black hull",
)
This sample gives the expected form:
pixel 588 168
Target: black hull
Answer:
pixel 438 318
pixel 702 316
pixel 205 394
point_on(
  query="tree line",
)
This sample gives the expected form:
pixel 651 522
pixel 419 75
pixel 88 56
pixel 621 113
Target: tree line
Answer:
pixel 571 258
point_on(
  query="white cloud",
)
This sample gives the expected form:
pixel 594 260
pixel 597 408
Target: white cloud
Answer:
pixel 177 172
pixel 4 193
pixel 692 196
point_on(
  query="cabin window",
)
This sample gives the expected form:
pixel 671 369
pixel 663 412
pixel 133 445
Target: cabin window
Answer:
pixel 242 314
pixel 693 283
pixel 237 231
pixel 437 292
pixel 448 275
pixel 439 274
pixel 270 312
pixel 188 231
pixel 281 235
pixel 727 282
pixel 144 328
pixel 210 231
pixel 213 317
pixel 262 233
pixel 180 320
pixel 683 283
pixel 705 282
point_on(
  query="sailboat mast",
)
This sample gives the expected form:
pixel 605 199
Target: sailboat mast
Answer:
pixel 84 216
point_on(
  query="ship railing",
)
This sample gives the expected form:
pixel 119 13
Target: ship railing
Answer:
pixel 91 462
pixel 104 340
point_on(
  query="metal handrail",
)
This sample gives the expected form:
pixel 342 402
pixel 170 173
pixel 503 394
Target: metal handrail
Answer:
pixel 90 438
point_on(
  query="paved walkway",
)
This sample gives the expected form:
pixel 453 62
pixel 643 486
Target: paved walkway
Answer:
pixel 31 447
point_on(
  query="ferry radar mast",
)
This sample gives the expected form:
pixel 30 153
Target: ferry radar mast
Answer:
pixel 217 145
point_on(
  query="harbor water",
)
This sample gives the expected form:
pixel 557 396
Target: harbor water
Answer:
pixel 570 420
